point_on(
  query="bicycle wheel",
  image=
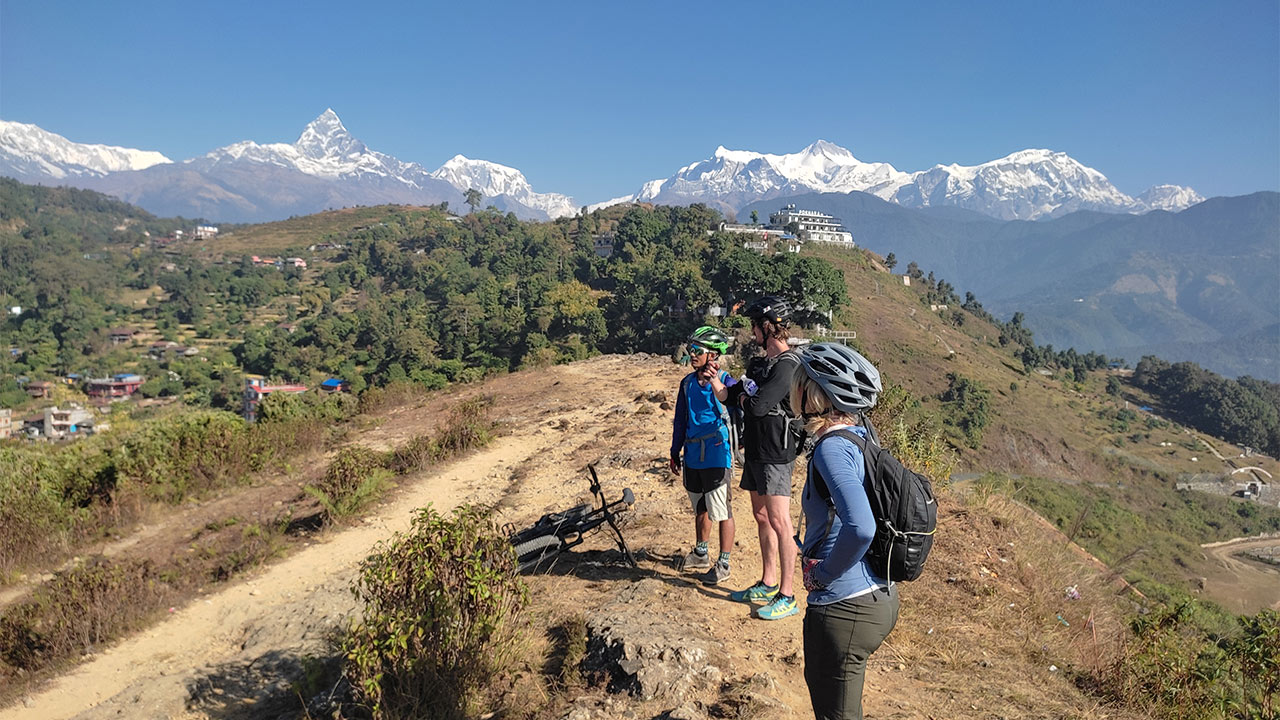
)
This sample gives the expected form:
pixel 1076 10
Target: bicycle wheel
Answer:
pixel 531 554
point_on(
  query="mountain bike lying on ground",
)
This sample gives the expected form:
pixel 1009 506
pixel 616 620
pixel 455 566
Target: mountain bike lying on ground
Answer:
pixel 538 545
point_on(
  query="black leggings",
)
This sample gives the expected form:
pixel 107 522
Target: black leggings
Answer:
pixel 838 639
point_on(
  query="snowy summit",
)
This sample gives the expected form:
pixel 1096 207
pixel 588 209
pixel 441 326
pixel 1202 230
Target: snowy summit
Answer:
pixel 1025 185
pixel 29 152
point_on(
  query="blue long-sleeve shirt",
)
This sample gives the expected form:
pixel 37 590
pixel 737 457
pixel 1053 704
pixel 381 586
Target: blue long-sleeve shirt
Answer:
pixel 842 545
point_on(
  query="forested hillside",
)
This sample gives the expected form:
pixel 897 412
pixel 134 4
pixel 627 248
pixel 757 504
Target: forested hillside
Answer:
pixel 415 294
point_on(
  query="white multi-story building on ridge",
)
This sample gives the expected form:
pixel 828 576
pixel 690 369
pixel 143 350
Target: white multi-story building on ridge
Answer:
pixel 812 226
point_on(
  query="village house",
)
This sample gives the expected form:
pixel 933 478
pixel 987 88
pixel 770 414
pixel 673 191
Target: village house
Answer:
pixel 73 421
pixel 119 386
pixel 167 348
pixel 6 423
pixel 120 336
pixel 39 389
pixel 206 232
pixel 159 349
pixel 333 385
pixel 603 244
pixel 256 389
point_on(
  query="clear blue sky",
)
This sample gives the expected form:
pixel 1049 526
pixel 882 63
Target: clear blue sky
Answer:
pixel 594 98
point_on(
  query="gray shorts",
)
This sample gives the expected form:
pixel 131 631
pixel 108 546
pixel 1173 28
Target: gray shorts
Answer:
pixel 766 478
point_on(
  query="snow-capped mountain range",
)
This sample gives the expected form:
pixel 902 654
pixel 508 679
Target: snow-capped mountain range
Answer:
pixel 28 151
pixel 327 167
pixel 250 182
pixel 492 179
pixel 1026 185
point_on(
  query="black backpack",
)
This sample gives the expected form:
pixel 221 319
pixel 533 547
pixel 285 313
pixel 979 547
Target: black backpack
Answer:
pixel 902 502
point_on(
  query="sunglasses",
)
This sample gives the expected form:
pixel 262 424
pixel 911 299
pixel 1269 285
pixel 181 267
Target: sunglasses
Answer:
pixel 698 351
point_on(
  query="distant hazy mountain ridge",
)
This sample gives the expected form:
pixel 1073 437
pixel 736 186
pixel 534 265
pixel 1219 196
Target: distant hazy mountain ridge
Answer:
pixel 1197 285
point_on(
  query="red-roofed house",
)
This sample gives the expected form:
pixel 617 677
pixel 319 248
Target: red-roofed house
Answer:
pixel 256 388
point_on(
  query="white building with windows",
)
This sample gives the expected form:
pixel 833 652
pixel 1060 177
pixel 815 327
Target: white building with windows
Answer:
pixel 812 226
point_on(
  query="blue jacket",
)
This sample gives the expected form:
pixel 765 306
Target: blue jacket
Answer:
pixel 699 426
pixel 844 571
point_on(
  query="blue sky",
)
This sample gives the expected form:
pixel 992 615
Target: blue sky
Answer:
pixel 594 98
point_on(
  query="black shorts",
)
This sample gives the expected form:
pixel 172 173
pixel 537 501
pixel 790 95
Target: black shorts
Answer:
pixel 704 480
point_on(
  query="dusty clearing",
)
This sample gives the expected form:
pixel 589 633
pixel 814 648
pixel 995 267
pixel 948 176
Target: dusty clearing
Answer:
pixel 1238 584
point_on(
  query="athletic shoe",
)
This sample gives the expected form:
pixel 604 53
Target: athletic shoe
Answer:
pixel 696 561
pixel 717 574
pixel 780 607
pixel 756 593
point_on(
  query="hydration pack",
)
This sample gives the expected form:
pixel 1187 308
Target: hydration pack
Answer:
pixel 903 505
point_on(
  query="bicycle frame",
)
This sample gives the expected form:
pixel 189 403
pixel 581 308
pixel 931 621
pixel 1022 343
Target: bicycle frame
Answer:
pixel 570 527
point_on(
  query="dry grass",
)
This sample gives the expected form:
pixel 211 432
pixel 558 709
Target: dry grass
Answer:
pixel 992 612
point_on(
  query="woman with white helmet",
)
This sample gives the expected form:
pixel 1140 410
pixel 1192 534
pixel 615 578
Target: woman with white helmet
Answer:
pixel 851 608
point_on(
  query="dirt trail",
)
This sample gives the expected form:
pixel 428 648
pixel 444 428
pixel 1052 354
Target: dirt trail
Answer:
pixel 1249 586
pixel 288 609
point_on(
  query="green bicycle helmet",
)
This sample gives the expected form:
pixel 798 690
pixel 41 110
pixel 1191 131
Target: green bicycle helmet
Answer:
pixel 710 338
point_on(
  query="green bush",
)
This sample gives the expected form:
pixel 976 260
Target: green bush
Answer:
pixel 440 619
pixel 352 480
pixel 89 604
pixel 1172 667
pixel 468 426
pixel 914 436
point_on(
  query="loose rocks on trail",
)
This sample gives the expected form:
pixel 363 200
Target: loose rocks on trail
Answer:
pixel 646 651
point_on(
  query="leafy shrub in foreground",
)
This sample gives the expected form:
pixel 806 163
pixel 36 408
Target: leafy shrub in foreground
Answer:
pixel 441 605
pixel 912 435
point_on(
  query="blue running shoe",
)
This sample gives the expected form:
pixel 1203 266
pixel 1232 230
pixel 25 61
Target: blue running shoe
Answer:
pixel 780 607
pixel 756 593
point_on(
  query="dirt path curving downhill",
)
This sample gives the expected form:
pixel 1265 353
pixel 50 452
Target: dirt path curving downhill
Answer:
pixel 231 638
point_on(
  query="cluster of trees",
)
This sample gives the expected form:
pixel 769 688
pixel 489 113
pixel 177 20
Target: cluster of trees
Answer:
pixel 1244 411
pixel 968 407
pixel 437 301
pixel 64 256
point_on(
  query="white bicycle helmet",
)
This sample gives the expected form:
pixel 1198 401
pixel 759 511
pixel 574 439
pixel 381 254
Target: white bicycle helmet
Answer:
pixel 850 380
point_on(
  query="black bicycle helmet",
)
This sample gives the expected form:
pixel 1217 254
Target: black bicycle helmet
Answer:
pixel 850 380
pixel 774 309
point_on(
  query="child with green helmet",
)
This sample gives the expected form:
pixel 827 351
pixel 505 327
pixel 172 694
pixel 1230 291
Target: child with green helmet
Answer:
pixel 700 430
